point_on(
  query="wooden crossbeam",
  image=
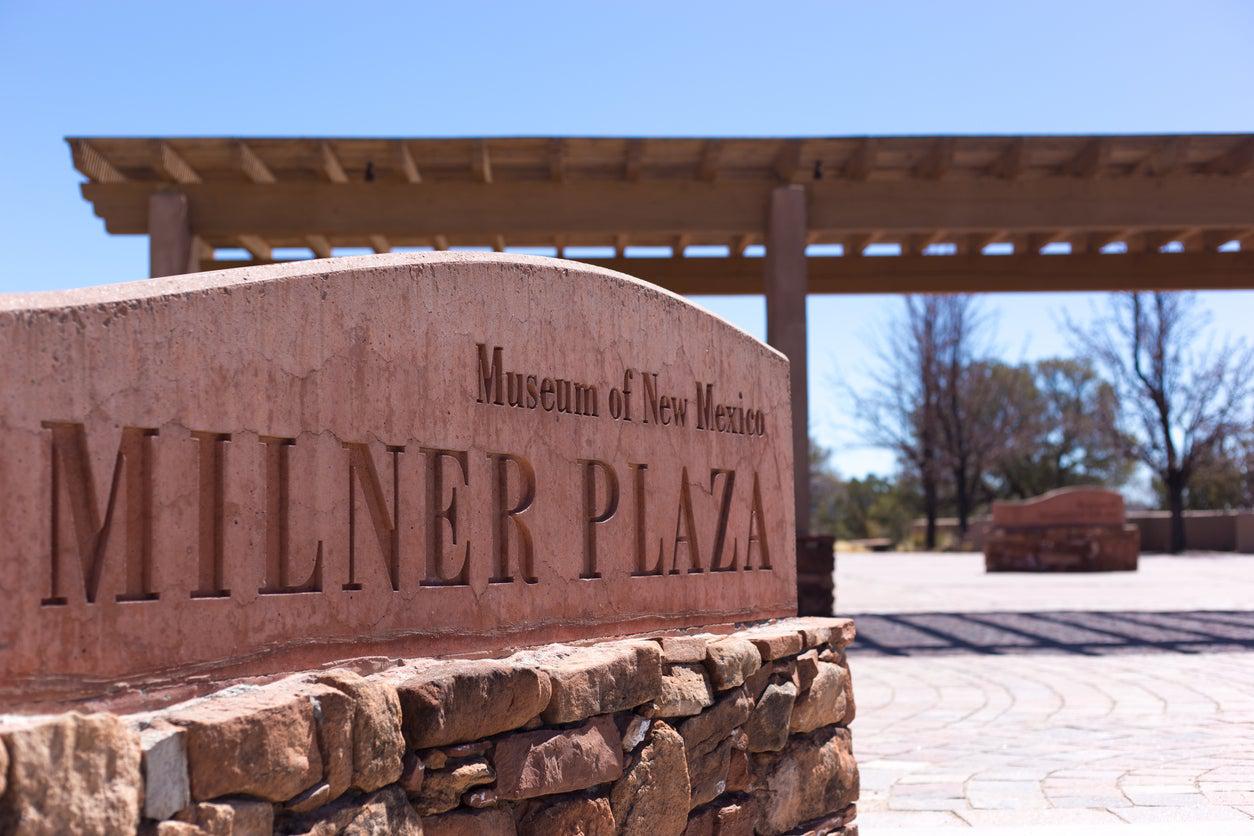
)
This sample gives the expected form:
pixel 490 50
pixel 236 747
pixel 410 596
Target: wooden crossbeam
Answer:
pixel 557 160
pixel 380 244
pixel 861 161
pixel 439 242
pixel 481 162
pixel 633 163
pixel 1089 160
pixel 254 167
pixel 941 274
pixel 531 212
pixel 498 243
pixel 788 161
pixel 92 164
pixel 256 246
pixel 1236 161
pixel 936 163
pixel 620 246
pixel 330 164
pixel 1164 158
pixel 319 245
pixel 1011 162
pixel 171 165
pixel 711 153
pixel 406 165
pixel 957 273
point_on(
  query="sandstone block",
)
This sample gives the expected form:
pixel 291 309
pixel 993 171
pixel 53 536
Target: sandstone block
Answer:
pixel 466 823
pixel 815 775
pixel 633 735
pixel 456 702
pixel 599 679
pixel 167 788
pixel 386 811
pixel 311 799
pixel 413 772
pixel 736 819
pixel 707 773
pixel 72 773
pixel 231 817
pixel 739 778
pixel 333 712
pixel 704 732
pixel 774 642
pixel 730 660
pixel 685 691
pixel 819 630
pixel 807 669
pixel 468 750
pixel 377 740
pixel 825 703
pixel 442 790
pixel 651 798
pixel 548 762
pixel 4 766
pixel 769 723
pixel 571 817
pixel 480 798
pixel 175 828
pixel 261 742
pixel 682 650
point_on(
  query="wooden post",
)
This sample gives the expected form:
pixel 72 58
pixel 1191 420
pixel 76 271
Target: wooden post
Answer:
pixel 786 322
pixel 171 246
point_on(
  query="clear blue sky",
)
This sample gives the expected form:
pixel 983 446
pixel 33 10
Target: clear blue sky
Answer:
pixel 643 68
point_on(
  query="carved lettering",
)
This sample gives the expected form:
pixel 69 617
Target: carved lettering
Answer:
pixel 278 524
pixel 132 476
pixel 757 529
pixel 724 515
pixel 491 383
pixel 437 574
pixel 592 514
pixel 506 516
pixel 641 523
pixel 685 519
pixel 386 530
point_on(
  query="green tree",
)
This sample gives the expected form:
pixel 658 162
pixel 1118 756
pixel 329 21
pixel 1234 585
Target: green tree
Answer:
pixel 1066 411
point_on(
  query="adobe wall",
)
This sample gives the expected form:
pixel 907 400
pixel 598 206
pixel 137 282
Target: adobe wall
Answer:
pixel 695 733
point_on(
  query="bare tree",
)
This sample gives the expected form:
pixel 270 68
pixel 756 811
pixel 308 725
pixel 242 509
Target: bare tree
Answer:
pixel 974 415
pixel 900 412
pixel 1180 398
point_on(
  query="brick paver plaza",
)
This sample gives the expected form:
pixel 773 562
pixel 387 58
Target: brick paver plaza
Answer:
pixel 1060 701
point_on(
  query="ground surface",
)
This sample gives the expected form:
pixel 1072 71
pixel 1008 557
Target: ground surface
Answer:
pixel 1069 703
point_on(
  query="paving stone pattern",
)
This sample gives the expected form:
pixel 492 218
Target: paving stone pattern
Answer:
pixel 1062 715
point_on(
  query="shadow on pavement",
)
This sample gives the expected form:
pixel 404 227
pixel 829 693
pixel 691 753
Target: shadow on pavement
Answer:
pixel 1083 633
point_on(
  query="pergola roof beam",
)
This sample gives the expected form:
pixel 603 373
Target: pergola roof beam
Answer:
pixel 660 208
pixel 173 166
pixel 253 167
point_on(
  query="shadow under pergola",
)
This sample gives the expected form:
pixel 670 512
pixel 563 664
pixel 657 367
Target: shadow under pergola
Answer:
pixel 1087 633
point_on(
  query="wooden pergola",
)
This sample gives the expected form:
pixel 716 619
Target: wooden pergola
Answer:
pixel 906 214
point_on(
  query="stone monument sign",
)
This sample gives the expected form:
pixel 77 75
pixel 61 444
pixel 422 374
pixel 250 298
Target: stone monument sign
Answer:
pixel 256 470
pixel 1066 530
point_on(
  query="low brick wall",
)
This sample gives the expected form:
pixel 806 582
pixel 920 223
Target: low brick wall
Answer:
pixel 732 733
pixel 1062 548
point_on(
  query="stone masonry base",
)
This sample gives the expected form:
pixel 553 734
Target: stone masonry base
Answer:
pixel 1063 548
pixel 730 733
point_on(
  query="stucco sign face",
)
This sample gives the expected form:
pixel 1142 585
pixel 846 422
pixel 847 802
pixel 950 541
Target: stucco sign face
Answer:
pixel 249 470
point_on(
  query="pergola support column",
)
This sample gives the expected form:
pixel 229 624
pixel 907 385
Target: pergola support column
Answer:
pixel 786 286
pixel 171 245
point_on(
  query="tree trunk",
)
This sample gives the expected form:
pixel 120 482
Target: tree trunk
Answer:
pixel 1175 501
pixel 929 509
pixel 962 500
